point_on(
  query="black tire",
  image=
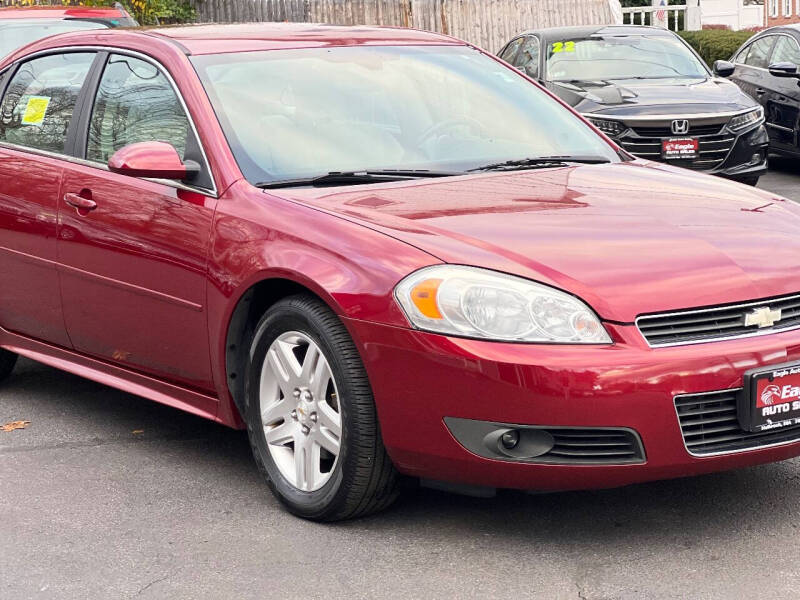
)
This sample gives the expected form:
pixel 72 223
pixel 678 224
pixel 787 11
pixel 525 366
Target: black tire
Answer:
pixel 749 180
pixel 7 362
pixel 363 480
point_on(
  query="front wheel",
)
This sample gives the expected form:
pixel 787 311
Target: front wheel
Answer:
pixel 311 416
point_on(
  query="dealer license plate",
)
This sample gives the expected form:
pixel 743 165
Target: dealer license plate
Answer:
pixel 679 148
pixel 771 398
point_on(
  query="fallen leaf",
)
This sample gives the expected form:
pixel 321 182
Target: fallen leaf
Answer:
pixel 14 425
pixel 137 431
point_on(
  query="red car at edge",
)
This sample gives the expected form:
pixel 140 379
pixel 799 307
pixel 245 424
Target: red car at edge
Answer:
pixel 385 252
pixel 23 25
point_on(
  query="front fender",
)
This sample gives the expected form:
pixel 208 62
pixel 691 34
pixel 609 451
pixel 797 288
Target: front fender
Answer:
pixel 258 237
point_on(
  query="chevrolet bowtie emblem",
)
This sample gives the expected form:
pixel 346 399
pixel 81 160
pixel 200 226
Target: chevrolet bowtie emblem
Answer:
pixel 762 317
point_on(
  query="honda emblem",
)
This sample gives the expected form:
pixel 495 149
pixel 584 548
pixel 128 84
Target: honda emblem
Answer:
pixel 680 126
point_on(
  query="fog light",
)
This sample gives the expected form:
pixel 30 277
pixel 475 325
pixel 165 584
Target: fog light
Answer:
pixel 756 158
pixel 510 439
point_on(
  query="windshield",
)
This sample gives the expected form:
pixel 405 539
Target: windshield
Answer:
pixel 621 57
pixel 293 114
pixel 19 32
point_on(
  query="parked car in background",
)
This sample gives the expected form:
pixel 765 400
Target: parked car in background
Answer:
pixel 651 93
pixel 765 68
pixel 384 251
pixel 22 25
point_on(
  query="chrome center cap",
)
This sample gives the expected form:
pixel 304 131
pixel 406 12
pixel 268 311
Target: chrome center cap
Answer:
pixel 306 407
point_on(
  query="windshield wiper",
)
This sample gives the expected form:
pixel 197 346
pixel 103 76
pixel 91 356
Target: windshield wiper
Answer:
pixel 357 177
pixel 541 162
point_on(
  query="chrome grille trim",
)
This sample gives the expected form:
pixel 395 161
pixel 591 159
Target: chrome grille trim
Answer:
pixel 711 153
pixel 700 326
pixel 709 426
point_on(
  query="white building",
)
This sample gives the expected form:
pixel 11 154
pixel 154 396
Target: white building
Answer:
pixel 736 14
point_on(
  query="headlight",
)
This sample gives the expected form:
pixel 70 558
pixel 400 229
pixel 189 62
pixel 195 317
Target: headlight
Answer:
pixel 610 128
pixel 748 119
pixel 472 302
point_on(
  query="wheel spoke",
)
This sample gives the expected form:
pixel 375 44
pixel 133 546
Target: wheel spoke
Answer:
pixel 320 378
pixel 282 434
pixel 312 465
pixel 306 463
pixel 284 365
pixel 324 438
pixel 312 358
pixel 329 419
pixel 281 409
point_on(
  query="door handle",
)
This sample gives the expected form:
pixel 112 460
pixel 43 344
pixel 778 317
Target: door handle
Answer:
pixel 761 91
pixel 82 201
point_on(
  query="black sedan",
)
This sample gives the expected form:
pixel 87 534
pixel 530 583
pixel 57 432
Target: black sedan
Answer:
pixel 766 68
pixel 649 91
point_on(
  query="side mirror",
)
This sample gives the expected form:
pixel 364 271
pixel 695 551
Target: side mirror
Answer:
pixel 783 69
pixel 723 68
pixel 156 160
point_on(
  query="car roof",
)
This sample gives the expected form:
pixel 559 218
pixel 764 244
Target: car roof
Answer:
pixel 208 39
pixel 789 27
pixel 582 31
pixel 58 12
pixel 248 37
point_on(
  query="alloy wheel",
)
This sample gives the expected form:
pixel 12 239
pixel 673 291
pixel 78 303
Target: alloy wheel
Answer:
pixel 300 411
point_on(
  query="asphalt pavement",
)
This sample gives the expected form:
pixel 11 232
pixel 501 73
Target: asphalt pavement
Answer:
pixel 106 495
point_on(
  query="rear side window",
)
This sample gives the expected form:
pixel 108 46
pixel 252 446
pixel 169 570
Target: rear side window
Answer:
pixel 39 101
pixel 135 103
pixel 758 56
pixel 511 50
pixel 786 50
pixel 528 59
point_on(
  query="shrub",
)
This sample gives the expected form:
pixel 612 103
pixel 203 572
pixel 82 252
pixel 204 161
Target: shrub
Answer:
pixel 716 44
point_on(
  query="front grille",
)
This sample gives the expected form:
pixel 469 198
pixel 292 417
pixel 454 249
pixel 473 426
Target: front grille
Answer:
pixel 712 150
pixel 594 446
pixel 695 326
pixel 666 132
pixel 710 426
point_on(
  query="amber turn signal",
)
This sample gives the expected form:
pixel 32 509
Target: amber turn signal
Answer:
pixel 423 295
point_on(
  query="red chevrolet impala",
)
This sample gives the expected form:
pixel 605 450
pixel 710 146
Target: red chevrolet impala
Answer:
pixel 385 252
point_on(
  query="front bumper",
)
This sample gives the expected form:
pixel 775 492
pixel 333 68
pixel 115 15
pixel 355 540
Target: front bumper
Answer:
pixel 742 155
pixel 419 379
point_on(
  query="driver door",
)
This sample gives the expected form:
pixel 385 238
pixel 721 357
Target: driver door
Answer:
pixel 134 265
pixel 783 98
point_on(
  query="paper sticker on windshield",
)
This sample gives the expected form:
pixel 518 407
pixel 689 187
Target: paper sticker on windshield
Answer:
pixel 35 110
pixel 563 47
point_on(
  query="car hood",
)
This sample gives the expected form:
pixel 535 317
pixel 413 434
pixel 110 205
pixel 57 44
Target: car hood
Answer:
pixel 628 238
pixel 653 96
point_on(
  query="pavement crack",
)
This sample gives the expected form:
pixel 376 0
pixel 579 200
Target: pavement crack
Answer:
pixel 155 581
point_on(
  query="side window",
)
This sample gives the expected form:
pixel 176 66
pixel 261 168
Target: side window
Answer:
pixel 40 99
pixel 759 52
pixel 135 103
pixel 742 56
pixel 528 59
pixel 511 50
pixel 786 50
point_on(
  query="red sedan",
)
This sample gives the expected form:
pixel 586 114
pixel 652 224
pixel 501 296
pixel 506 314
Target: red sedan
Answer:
pixel 21 26
pixel 386 252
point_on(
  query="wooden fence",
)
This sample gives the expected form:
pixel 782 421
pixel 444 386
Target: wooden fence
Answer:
pixel 487 23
